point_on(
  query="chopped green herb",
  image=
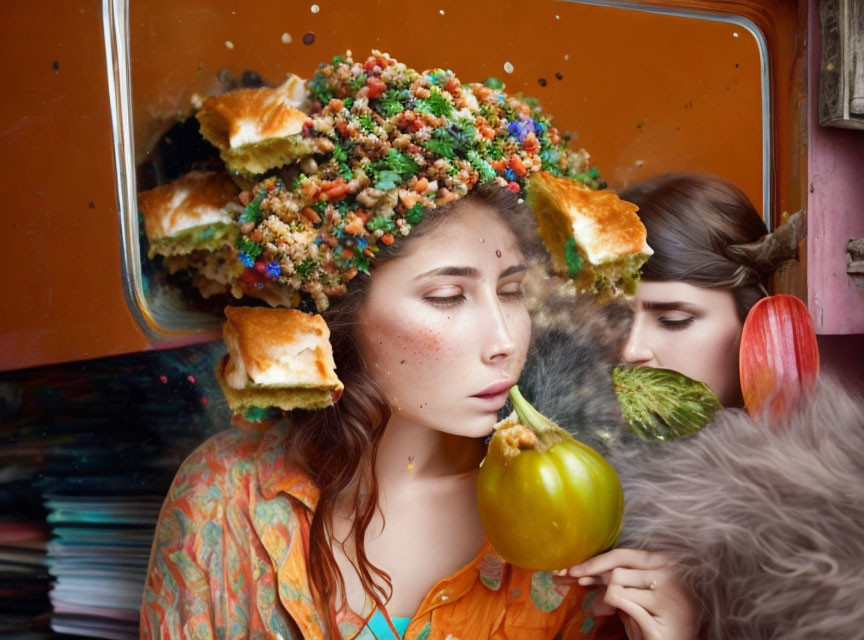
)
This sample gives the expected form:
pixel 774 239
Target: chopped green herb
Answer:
pixel 384 223
pixel 493 83
pixel 361 261
pixel 345 171
pixel 483 168
pixel 443 148
pixel 366 121
pixel 467 129
pixel 341 152
pixel 387 180
pixel 252 212
pixel 437 104
pixel 320 207
pixel 357 83
pixel 401 163
pixel 415 214
pixel 572 258
pixel 390 104
pixel 444 143
pixel 494 152
pixel 249 247
pixel 305 268
pixel 320 88
pixel 549 159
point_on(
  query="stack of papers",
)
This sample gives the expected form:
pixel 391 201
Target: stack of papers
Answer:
pixel 87 452
pixel 98 558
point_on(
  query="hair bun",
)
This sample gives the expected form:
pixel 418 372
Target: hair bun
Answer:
pixel 767 253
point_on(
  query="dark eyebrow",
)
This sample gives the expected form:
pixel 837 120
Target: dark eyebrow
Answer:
pixel 666 306
pixel 509 271
pixel 469 272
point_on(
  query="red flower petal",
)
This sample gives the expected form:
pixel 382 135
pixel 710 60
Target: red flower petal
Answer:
pixel 779 356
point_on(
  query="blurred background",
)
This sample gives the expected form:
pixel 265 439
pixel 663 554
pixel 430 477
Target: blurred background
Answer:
pixel 107 381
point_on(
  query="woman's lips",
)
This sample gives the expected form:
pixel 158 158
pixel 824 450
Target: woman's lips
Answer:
pixel 495 395
pixel 495 389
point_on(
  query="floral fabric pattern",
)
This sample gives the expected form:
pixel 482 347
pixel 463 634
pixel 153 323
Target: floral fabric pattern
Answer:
pixel 228 561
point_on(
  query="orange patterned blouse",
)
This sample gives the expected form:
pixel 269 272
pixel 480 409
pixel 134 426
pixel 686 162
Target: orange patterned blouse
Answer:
pixel 229 561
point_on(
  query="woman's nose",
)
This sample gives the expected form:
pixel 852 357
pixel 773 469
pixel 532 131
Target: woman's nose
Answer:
pixel 496 336
pixel 637 350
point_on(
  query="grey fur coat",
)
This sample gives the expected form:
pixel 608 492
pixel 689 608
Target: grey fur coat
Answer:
pixel 765 524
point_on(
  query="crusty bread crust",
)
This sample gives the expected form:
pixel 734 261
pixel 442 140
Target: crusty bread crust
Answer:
pixel 605 226
pixel 264 113
pixel 178 205
pixel 240 400
pixel 283 357
pixel 256 129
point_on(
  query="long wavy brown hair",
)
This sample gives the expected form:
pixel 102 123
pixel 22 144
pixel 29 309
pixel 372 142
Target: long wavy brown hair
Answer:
pixel 337 446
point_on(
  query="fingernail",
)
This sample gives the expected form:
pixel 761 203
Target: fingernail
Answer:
pixel 585 581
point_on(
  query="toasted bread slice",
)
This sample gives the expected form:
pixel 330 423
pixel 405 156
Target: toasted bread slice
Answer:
pixel 593 237
pixel 257 130
pixel 195 212
pixel 277 358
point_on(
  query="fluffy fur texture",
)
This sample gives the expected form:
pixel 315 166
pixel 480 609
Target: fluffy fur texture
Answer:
pixel 567 379
pixel 568 373
pixel 765 522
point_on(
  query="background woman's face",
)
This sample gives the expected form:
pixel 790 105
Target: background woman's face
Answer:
pixel 446 321
pixel 693 330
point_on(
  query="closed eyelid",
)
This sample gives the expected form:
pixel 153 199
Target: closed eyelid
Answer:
pixel 444 291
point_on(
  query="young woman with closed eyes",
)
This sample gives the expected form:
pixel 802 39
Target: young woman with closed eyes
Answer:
pixel 696 289
pixel 316 528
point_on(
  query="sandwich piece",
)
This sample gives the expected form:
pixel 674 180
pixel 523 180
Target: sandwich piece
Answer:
pixel 196 212
pixel 257 130
pixel 277 358
pixel 593 237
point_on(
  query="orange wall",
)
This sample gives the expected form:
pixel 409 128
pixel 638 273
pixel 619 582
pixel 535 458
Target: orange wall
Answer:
pixel 645 93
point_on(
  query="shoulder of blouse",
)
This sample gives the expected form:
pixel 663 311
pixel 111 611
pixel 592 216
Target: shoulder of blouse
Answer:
pixel 215 531
pixel 216 467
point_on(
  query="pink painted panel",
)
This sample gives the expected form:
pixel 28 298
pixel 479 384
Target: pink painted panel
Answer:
pixel 835 209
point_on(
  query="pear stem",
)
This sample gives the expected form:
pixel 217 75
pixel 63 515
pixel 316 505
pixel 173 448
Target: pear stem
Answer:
pixel 529 416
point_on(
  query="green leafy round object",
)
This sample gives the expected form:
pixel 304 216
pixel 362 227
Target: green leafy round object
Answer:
pixel 662 404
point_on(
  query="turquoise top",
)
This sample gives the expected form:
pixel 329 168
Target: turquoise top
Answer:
pixel 380 629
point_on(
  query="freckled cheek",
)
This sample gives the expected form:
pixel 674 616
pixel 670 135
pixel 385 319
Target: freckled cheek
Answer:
pixel 426 350
pixel 409 345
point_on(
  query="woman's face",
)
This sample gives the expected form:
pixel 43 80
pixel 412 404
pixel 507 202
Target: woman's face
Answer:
pixel 693 330
pixel 445 322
